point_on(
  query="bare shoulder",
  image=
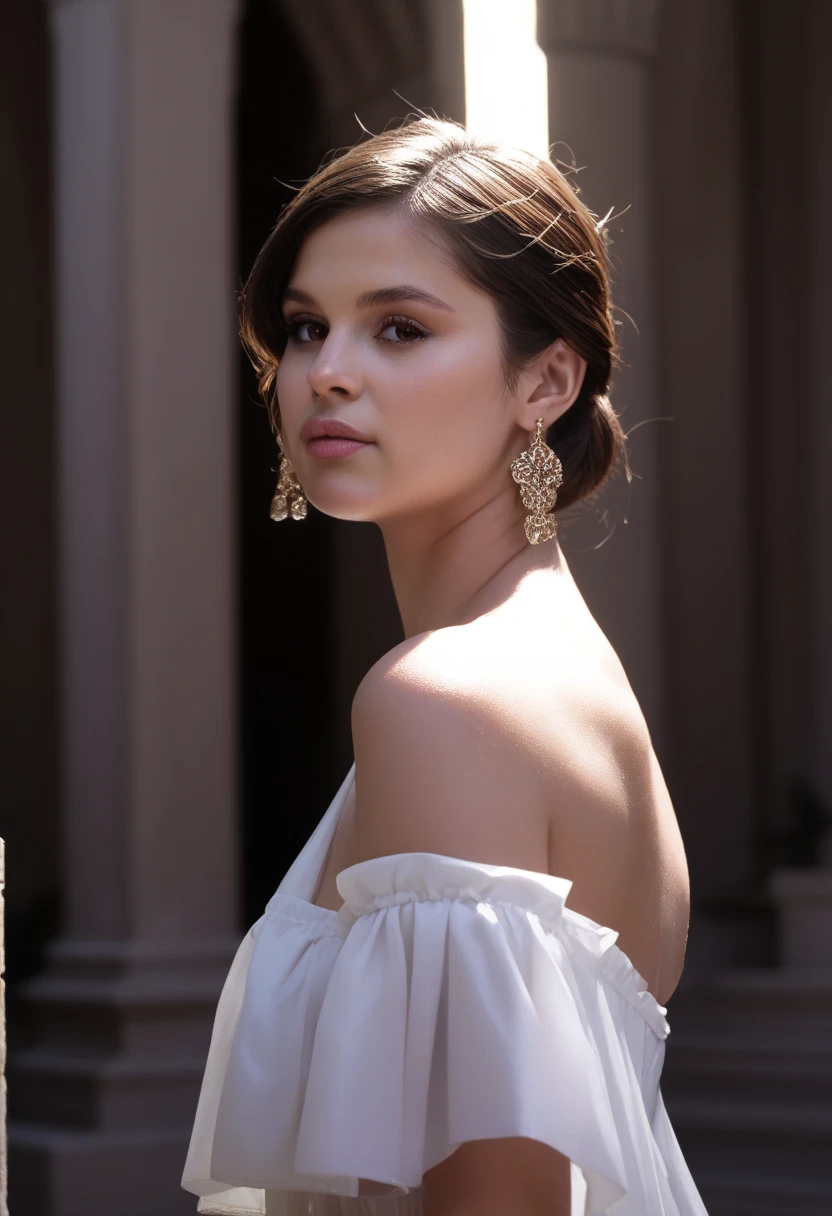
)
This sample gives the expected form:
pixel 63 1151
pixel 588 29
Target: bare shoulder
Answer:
pixel 440 766
pixel 482 745
pixel 475 742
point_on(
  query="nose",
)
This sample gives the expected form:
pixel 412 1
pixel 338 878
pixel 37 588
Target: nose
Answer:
pixel 332 375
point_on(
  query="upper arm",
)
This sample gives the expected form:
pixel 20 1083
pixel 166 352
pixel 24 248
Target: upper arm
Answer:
pixel 436 772
pixel 512 1175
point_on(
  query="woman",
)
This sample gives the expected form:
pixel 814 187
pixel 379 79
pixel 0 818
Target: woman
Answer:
pixel 420 1022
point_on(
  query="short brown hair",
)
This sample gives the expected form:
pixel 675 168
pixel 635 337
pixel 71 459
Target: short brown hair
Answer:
pixel 516 229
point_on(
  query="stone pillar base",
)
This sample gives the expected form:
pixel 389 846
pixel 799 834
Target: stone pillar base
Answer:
pixel 94 1173
pixel 103 1102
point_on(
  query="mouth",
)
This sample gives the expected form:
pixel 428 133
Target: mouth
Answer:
pixel 327 446
pixel 329 437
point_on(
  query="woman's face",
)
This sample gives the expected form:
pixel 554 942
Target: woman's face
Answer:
pixel 387 336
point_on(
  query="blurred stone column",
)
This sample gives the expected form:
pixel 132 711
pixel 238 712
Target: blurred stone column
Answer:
pixel 599 54
pixel 803 895
pixel 103 1099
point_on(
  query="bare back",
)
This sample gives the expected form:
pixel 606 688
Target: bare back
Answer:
pixel 612 829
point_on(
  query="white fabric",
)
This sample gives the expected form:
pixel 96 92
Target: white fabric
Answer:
pixel 446 1001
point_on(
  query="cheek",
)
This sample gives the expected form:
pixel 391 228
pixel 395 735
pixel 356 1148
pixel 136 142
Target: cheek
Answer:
pixel 453 388
pixel 447 419
pixel 291 386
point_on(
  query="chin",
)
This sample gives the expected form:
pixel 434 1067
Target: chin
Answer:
pixel 355 508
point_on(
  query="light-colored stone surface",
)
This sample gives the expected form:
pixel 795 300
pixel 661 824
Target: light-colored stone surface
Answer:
pixel 613 548
pixel 146 390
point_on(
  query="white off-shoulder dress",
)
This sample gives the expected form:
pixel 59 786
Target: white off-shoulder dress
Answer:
pixel 446 1001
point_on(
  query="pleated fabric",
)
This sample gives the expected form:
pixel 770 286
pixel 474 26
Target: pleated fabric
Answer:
pixel 446 1001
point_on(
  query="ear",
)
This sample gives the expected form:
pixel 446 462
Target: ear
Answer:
pixel 550 385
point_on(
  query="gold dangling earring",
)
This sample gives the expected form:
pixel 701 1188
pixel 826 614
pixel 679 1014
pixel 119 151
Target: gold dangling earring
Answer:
pixel 289 498
pixel 539 473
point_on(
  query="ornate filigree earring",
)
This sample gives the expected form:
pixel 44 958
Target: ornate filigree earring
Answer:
pixel 289 498
pixel 539 473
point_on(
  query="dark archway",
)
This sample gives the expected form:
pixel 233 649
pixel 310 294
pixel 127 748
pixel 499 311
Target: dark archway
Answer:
pixel 288 768
pixel 29 643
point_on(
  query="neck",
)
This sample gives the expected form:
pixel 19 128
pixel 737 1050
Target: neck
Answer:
pixel 448 574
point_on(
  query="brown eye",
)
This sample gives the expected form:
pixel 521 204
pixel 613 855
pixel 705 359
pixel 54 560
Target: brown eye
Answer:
pixel 303 330
pixel 406 331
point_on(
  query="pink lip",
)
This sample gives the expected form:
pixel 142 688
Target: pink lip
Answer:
pixel 330 445
pixel 323 425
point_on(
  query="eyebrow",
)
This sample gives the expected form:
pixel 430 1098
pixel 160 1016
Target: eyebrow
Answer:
pixel 383 295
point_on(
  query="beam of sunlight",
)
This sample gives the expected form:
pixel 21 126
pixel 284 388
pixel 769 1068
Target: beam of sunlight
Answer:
pixel 505 74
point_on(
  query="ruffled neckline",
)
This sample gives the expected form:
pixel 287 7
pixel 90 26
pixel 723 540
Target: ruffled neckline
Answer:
pixel 545 894
pixel 422 875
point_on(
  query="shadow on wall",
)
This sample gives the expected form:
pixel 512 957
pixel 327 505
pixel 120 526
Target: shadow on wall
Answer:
pixel 285 662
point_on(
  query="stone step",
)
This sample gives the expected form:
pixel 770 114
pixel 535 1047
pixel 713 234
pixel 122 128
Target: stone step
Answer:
pixel 706 1067
pixel 756 1004
pixel 740 1137
pixel 56 1088
pixel 766 1195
